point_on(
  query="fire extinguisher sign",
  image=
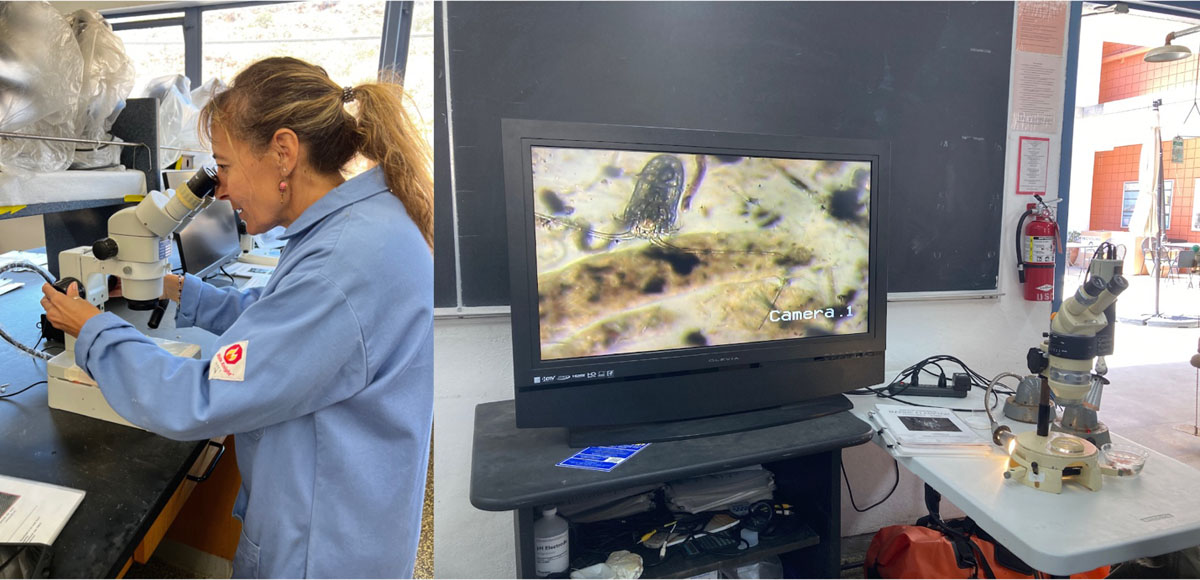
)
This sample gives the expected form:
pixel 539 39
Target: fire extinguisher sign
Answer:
pixel 1040 249
pixel 1033 153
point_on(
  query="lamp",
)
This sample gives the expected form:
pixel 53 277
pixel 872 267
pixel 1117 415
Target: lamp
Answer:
pixel 1169 52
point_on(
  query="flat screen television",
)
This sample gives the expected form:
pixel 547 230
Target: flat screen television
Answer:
pixel 660 275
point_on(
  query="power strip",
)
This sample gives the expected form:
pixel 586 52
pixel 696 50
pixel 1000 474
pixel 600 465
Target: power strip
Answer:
pixel 924 391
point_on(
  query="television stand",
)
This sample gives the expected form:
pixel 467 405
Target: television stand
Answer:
pixel 515 469
pixel 707 426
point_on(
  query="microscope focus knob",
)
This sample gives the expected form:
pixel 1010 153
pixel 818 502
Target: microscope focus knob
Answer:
pixel 1036 360
pixel 64 283
pixel 105 249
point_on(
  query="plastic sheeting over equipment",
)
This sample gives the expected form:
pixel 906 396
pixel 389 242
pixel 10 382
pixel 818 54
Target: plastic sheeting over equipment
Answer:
pixel 41 72
pixel 107 79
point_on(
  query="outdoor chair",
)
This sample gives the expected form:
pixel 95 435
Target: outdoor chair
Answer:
pixel 1185 262
pixel 1148 257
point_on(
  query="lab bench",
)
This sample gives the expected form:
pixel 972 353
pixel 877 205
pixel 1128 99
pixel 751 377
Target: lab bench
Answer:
pixel 515 469
pixel 136 482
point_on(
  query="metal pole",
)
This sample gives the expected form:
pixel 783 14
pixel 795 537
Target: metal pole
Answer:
pixel 1158 214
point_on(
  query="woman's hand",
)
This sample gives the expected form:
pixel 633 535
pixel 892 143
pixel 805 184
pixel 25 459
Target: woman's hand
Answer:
pixel 173 287
pixel 67 312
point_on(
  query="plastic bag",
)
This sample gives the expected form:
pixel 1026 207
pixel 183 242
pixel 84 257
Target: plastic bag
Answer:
pixel 174 110
pixel 107 79
pixel 204 94
pixel 41 72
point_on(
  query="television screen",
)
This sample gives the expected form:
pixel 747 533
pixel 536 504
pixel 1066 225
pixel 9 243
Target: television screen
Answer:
pixel 659 274
pixel 641 251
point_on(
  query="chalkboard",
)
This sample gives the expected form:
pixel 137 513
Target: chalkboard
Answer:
pixel 929 78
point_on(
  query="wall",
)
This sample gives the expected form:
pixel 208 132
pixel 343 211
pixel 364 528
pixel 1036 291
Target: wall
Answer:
pixel 1124 73
pixel 1114 168
pixel 22 233
pixel 1113 119
pixel 1125 78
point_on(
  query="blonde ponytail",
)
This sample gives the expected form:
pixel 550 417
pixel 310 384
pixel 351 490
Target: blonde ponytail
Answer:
pixel 391 139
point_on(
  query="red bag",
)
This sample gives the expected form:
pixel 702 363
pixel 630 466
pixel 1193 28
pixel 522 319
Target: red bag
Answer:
pixel 923 552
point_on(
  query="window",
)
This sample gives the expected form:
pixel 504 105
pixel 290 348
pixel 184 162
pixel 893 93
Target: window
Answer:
pixel 342 37
pixel 1168 195
pixel 1196 209
pixel 1129 200
pixel 154 44
pixel 418 72
pixel 345 37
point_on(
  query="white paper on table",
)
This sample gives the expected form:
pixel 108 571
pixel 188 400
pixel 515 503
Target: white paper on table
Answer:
pixel 33 512
pixel 917 426
pixel 7 286
pixel 38 258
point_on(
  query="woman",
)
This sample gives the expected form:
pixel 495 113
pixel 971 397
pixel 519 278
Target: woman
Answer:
pixel 326 373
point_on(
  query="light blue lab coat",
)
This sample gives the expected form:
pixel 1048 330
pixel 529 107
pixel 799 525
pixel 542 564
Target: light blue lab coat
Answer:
pixel 334 413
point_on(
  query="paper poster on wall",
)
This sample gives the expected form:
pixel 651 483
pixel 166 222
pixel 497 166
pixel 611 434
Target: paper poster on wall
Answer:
pixel 1038 77
pixel 1041 27
pixel 1036 92
pixel 1032 156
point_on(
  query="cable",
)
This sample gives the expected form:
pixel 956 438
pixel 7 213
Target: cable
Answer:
pixel 7 395
pixel 977 380
pixel 992 420
pixel 850 492
pixel 23 266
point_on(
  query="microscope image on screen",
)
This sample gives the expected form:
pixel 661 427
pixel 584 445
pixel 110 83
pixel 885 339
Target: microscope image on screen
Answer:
pixel 641 251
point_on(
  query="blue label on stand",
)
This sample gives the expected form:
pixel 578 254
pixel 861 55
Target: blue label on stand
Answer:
pixel 602 458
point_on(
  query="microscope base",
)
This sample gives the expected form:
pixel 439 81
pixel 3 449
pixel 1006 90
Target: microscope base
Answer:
pixel 69 388
pixel 82 399
pixel 1045 462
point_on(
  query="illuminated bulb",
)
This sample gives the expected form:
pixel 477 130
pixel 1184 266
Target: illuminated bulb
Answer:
pixel 1004 437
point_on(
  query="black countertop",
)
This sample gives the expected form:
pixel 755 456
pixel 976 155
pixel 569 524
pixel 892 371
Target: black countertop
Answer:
pixel 515 468
pixel 128 474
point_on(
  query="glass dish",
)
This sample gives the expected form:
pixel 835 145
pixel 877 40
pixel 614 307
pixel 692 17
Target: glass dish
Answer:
pixel 1126 459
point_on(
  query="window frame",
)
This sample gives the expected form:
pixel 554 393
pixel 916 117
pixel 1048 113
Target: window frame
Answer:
pixel 1168 198
pixel 393 50
pixel 1124 193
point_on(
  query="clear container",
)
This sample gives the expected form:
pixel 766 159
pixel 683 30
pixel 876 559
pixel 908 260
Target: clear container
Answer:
pixel 1126 459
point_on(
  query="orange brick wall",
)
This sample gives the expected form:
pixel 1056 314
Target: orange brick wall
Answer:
pixel 1114 168
pixel 1123 73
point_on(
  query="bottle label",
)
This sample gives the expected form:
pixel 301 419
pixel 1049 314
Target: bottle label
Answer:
pixel 551 554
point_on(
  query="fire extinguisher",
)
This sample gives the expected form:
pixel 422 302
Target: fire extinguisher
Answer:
pixel 1036 245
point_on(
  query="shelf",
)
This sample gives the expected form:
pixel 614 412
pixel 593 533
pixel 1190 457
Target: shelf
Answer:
pixel 59 191
pixel 57 206
pixel 679 565
pixel 683 567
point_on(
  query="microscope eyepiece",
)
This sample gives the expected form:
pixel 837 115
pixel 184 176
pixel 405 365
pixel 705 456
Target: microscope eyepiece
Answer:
pixel 204 182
